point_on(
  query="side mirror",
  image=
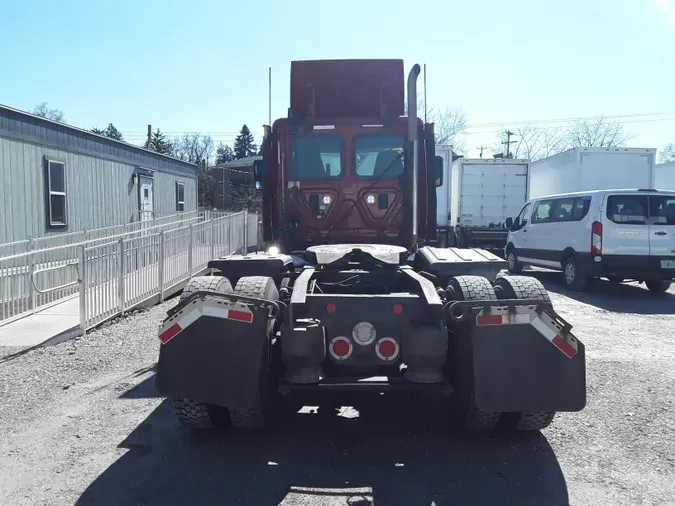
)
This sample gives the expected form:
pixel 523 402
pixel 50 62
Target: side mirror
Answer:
pixel 438 168
pixel 258 173
pixel 509 223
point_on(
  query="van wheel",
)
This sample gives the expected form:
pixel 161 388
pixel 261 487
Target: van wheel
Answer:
pixel 658 286
pixel 573 276
pixel 515 266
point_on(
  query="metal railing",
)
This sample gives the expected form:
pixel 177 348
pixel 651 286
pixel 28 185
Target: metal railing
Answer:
pixel 115 273
pixel 143 221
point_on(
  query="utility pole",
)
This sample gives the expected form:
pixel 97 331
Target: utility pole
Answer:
pixel 508 142
pixel 149 136
pixel 481 150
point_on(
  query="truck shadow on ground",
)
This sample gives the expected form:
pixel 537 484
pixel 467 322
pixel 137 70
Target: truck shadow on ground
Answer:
pixel 398 451
pixel 619 298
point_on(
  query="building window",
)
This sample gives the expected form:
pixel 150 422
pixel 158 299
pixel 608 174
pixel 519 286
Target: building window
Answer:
pixel 56 194
pixel 180 196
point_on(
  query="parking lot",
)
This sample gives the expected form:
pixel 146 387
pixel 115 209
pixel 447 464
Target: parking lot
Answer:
pixel 81 423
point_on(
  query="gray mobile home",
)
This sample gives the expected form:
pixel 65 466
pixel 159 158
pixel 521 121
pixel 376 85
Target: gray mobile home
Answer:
pixel 55 178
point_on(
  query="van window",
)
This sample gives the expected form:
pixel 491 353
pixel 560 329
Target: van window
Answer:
pixel 563 209
pixel 543 212
pixel 521 219
pixel 627 209
pixel 662 209
pixel 581 207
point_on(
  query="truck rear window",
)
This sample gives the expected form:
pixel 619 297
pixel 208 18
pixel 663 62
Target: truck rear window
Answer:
pixel 316 157
pixel 378 155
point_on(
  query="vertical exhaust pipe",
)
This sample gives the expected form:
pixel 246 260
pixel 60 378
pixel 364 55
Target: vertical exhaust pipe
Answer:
pixel 412 137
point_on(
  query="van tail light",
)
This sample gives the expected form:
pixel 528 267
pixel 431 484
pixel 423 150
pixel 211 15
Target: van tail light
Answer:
pixel 596 238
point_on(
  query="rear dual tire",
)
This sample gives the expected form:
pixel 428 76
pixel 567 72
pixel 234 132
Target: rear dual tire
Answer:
pixel 196 415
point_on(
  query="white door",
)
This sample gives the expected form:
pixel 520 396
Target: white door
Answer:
pixel 146 198
pixel 518 234
pixel 625 227
pixel 662 229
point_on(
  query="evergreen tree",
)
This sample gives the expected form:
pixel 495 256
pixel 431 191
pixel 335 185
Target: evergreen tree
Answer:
pixel 244 144
pixel 109 131
pixel 159 143
pixel 224 153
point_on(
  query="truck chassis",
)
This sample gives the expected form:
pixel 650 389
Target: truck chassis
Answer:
pixel 372 318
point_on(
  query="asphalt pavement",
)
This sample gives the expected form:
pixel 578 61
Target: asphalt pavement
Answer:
pixel 81 423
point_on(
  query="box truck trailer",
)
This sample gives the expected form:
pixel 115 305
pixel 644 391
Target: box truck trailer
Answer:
pixel 484 192
pixel 664 176
pixel 585 169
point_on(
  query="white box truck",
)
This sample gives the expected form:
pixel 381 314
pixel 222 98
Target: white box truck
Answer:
pixel 664 176
pixel 584 169
pixel 443 196
pixel 484 192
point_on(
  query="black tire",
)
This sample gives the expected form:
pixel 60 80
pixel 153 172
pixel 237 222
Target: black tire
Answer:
pixel 465 414
pixel 196 415
pixel 658 286
pixel 515 266
pixel 520 287
pixel 573 276
pixel 523 287
pixel 255 417
pixel 218 284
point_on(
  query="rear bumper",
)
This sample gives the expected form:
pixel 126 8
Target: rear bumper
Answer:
pixel 639 267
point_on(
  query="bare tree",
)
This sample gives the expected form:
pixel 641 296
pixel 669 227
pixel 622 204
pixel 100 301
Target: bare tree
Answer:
pixel 44 111
pixel 194 148
pixel 600 133
pixel 667 154
pixel 450 124
pixel 534 143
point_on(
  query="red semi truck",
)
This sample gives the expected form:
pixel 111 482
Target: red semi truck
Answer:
pixel 352 293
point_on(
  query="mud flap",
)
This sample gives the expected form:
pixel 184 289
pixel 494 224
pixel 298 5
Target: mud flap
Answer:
pixel 525 358
pixel 213 348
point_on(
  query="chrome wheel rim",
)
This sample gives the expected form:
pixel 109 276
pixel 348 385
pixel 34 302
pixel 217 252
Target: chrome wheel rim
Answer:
pixel 570 273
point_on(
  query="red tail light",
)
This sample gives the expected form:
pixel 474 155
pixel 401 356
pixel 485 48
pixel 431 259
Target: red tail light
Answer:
pixel 340 348
pixel 596 238
pixel 387 349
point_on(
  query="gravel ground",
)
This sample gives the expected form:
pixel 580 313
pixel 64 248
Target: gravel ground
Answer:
pixel 81 423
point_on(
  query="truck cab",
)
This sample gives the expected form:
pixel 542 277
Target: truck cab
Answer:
pixel 341 167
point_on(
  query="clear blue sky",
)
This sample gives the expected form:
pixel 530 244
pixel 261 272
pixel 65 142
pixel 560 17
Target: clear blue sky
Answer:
pixel 201 65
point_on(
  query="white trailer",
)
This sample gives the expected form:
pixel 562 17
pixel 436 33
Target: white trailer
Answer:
pixel 585 169
pixel 484 192
pixel 443 195
pixel 664 176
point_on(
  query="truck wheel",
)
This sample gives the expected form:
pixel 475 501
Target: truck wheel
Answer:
pixel 574 277
pixel 523 287
pixel 260 287
pixel 218 284
pixel 196 415
pixel 465 414
pixel 658 286
pixel 514 265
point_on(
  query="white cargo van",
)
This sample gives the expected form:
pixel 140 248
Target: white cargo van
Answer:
pixel 614 234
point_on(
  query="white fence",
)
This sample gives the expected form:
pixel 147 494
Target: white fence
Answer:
pixel 114 274
pixel 145 220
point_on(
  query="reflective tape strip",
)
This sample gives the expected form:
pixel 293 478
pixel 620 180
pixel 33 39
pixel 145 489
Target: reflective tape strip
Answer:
pixel 228 314
pixel 503 319
pixel 179 326
pixel 552 335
